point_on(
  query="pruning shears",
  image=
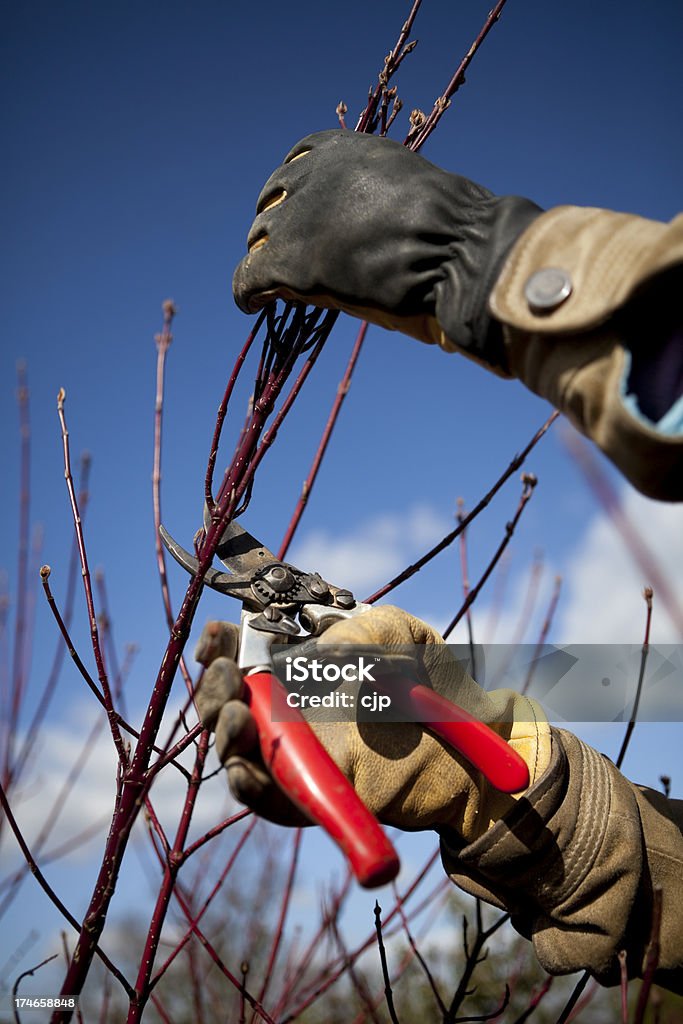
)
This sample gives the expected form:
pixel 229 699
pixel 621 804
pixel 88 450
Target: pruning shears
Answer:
pixel 283 604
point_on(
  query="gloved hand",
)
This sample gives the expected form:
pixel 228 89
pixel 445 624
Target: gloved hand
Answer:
pixel 404 775
pixel 581 309
pixel 362 224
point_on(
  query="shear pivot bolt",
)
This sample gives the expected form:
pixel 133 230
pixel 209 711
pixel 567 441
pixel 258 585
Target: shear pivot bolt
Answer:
pixel 279 578
pixel 345 599
pixel 272 614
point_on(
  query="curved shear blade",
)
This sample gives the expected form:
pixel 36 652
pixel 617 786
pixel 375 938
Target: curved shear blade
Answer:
pixel 239 551
pixel 233 586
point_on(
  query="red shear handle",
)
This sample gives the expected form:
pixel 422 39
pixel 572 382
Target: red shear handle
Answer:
pixel 485 749
pixel 305 771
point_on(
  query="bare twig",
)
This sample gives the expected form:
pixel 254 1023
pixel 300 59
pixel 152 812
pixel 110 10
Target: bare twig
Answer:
pixel 18 682
pixel 67 957
pixel 53 814
pixel 403 964
pixel 528 485
pixel 106 997
pixel 45 574
pixel 163 341
pixel 530 598
pixel 209 948
pixel 478 508
pixel 270 434
pixel 244 970
pixel 333 971
pixel 51 681
pixel 223 408
pixel 645 650
pixel 534 1001
pixel 51 894
pixel 329 915
pixel 497 598
pixel 367 122
pixel 472 960
pixel 651 958
pixel 207 902
pixel 215 831
pixel 170 756
pixel 87 587
pixel 383 960
pixel 161 1010
pixel 174 860
pixel 284 907
pixel 5 693
pixel 74 842
pixel 543 635
pixel 342 391
pixel 491 1015
pixel 623 985
pixel 443 102
pixel 420 959
pixel 573 999
pixel 357 979
pixel 464 569
pixel 27 974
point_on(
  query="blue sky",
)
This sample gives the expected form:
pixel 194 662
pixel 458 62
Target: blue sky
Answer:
pixel 137 137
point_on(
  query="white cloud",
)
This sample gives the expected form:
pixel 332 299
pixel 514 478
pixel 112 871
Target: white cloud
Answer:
pixel 375 551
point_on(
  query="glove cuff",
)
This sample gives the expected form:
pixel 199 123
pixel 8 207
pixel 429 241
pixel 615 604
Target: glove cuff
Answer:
pixel 462 296
pixel 566 864
pixel 625 275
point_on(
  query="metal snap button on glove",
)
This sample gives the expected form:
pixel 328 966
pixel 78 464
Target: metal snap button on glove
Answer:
pixel 547 289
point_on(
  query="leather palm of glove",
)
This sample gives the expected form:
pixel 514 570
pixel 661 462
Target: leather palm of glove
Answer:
pixel 362 224
pixel 403 774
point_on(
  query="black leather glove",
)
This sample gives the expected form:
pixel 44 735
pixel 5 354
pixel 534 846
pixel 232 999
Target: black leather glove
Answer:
pixel 359 223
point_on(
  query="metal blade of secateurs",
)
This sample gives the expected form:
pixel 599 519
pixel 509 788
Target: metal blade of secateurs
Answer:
pixel 239 551
pixel 233 586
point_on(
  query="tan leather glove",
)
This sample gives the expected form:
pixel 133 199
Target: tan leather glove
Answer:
pixel 405 776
